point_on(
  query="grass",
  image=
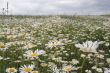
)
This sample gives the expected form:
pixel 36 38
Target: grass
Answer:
pixel 17 32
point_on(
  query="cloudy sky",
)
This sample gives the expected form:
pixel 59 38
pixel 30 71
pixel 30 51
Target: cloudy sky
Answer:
pixel 47 7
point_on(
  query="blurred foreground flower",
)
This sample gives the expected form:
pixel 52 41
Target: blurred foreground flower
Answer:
pixel 107 70
pixel 88 46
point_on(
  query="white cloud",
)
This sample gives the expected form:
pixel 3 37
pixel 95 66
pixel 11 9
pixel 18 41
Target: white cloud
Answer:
pixel 35 7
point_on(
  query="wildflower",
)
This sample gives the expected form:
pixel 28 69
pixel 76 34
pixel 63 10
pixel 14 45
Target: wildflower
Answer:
pixel 33 55
pixel 88 46
pixel 28 46
pixel 23 35
pixel 99 70
pixel 54 43
pixel 3 46
pixel 34 72
pixel 11 70
pixel 26 69
pixel 89 56
pixel 107 44
pixel 68 68
pixel 107 70
pixel 100 56
pixel 11 37
pixel 88 71
pixel 74 61
pixel 43 64
pixel 83 56
pixel 94 67
pixel 1 57
pixel 108 61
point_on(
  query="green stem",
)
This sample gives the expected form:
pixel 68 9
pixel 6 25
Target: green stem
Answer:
pixel 3 62
pixel 84 59
pixel 96 64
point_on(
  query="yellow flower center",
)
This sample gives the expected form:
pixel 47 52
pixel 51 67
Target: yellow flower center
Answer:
pixel 27 69
pixel 34 54
pixel 53 44
pixel 11 69
pixel 68 69
pixel 2 46
pixel 35 72
pixel 87 50
pixel 84 50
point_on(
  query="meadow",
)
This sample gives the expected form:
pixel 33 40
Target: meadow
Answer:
pixel 55 44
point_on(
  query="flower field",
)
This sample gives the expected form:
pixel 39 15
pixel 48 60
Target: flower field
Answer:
pixel 54 44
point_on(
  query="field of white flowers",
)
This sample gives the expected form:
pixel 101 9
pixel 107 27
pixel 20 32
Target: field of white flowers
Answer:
pixel 55 44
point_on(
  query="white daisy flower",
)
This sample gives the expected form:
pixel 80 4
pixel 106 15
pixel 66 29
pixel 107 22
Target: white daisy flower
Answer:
pixel 28 46
pixel 108 60
pixel 11 70
pixel 88 46
pixel 24 35
pixel 3 46
pixel 41 52
pixel 88 71
pixel 1 58
pixel 54 43
pixel 34 72
pixel 69 68
pixel 33 54
pixel 11 37
pixel 107 70
pixel 26 69
pixel 74 61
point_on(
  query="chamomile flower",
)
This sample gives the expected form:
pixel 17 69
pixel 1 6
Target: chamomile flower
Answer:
pixel 3 46
pixel 74 61
pixel 88 46
pixel 54 43
pixel 69 68
pixel 11 37
pixel 43 64
pixel 88 71
pixel 26 69
pixel 1 58
pixel 107 70
pixel 23 35
pixel 11 70
pixel 29 45
pixel 33 54
pixel 108 60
